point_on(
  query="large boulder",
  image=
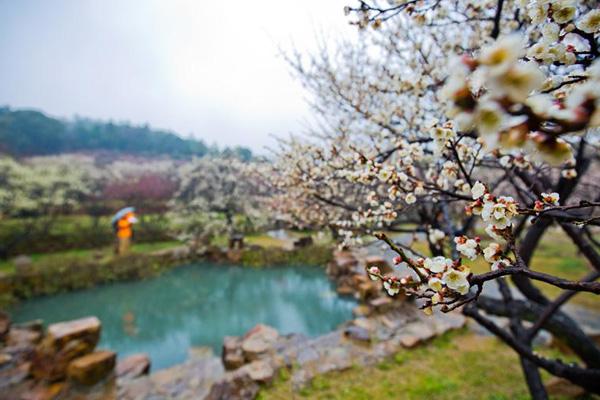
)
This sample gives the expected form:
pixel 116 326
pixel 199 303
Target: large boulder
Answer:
pixel 64 342
pixel 92 368
pixel 133 366
pixel 259 341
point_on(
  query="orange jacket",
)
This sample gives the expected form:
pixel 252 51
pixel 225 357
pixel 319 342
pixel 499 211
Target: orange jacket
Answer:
pixel 124 227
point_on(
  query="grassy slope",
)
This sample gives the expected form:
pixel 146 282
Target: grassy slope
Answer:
pixel 459 365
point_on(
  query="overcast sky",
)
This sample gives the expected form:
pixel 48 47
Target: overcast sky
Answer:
pixel 208 68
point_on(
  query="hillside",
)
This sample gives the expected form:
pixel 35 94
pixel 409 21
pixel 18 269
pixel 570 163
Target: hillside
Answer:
pixel 30 132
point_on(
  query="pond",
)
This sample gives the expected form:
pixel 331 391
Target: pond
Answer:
pixel 196 305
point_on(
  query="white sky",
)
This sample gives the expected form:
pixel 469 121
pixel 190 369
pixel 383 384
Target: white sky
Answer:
pixel 208 68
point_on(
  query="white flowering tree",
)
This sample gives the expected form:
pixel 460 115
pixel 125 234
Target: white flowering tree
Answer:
pixel 40 189
pixel 215 196
pixel 461 115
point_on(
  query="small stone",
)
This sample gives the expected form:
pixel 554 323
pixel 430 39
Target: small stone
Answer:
pixel 382 304
pixel 23 264
pixel 5 359
pixel 4 325
pixel 410 341
pixel 345 290
pixel 33 325
pixel 133 366
pixel 357 333
pixel 259 371
pixel 23 337
pixel 92 368
pixel 361 310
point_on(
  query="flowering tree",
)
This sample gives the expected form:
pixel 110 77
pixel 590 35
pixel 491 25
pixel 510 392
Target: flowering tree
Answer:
pixel 43 188
pixel 215 196
pixel 457 115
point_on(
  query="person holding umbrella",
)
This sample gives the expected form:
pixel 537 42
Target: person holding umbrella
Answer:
pixel 122 223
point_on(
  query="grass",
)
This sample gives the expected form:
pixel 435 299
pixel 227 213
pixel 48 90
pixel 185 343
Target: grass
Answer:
pixel 458 365
pixel 72 256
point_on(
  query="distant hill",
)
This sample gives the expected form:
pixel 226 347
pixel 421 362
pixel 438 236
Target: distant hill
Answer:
pixel 30 133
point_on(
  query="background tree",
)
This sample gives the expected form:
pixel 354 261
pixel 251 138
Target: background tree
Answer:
pixel 216 196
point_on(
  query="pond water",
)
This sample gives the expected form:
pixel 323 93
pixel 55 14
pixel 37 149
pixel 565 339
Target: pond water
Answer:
pixel 196 305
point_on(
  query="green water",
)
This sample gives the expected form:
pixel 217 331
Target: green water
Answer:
pixel 197 305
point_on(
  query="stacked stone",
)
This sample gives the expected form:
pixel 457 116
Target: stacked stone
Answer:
pixel 62 361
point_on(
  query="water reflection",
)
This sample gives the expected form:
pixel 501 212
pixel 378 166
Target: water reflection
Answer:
pixel 197 305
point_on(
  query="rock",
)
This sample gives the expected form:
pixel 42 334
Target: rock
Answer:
pixel 44 392
pixel 23 264
pixel 92 368
pixel 200 352
pixel 382 304
pixel 36 325
pixel 133 366
pixel 368 290
pixel 410 341
pixel 64 342
pixel 559 387
pixel 303 242
pixel 259 371
pixel 357 333
pixel 22 337
pixel 5 359
pixel 13 375
pixel 232 356
pixel 379 262
pixel 259 341
pixel 361 311
pixel 234 255
pixel 345 290
pixel 84 329
pixel 343 263
pixel 238 386
pixel 4 325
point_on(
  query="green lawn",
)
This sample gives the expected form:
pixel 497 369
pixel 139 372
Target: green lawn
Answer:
pixel 458 365
pixel 71 256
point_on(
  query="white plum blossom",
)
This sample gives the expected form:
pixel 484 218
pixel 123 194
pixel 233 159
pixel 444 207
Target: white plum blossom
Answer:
pixel 410 198
pixel 436 235
pixel 492 252
pixel 437 264
pixel 551 198
pixel 457 280
pixel 391 285
pixel 500 264
pixel 374 273
pixel 590 22
pixel 435 284
pixel 467 247
pixel 478 190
